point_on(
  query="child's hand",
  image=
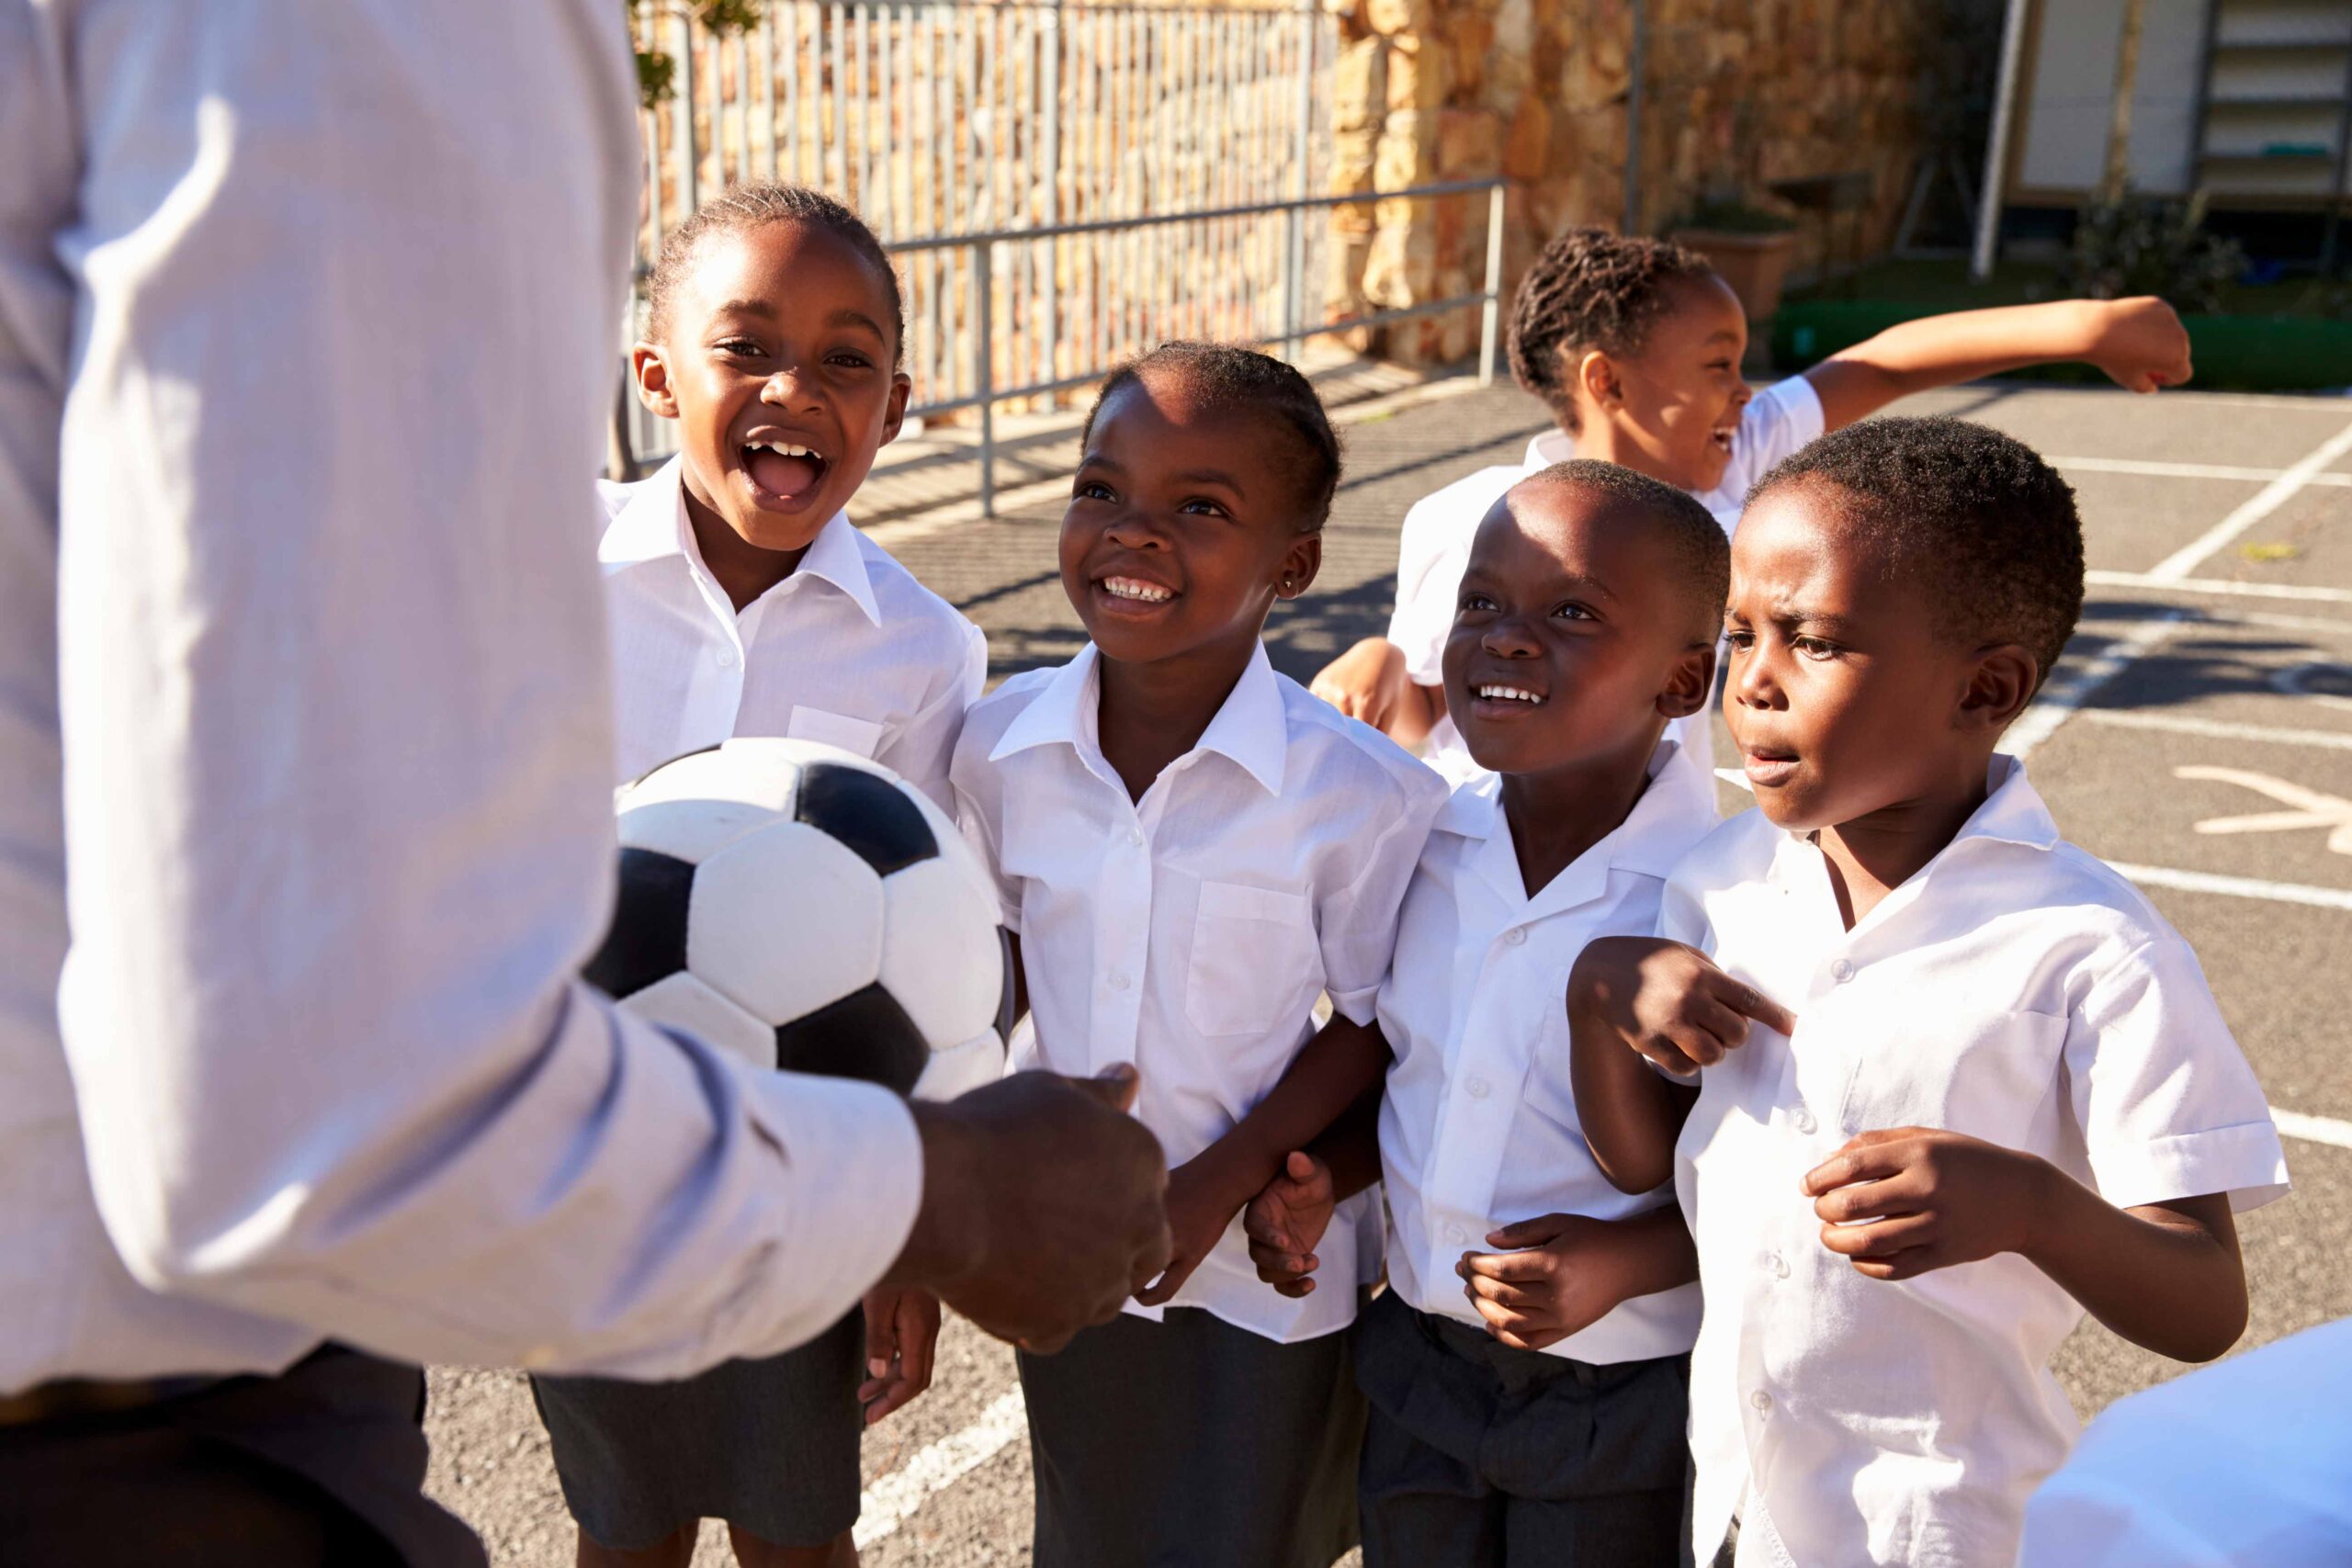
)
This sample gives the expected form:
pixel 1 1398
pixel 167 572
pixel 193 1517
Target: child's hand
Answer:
pixel 1899 1203
pixel 1202 1201
pixel 1667 1001
pixel 1286 1223
pixel 1558 1276
pixel 901 1328
pixel 1364 683
pixel 2140 344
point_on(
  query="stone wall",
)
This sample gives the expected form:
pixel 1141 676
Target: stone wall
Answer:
pixel 1736 94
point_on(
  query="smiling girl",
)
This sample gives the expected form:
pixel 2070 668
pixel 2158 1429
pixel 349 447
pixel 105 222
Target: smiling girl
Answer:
pixel 1634 346
pixel 743 601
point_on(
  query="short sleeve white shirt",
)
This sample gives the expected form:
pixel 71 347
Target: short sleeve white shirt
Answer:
pixel 1191 932
pixel 1434 548
pixel 1478 1128
pixel 2016 990
pixel 850 649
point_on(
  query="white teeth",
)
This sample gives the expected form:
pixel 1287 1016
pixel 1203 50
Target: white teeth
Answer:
pixel 1129 588
pixel 781 448
pixel 1511 693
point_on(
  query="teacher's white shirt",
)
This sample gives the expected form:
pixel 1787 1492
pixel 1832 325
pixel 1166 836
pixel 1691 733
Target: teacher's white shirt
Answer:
pixel 2016 990
pixel 1192 931
pixel 850 649
pixel 1478 1128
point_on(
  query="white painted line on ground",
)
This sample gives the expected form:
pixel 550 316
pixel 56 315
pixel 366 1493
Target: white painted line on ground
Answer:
pixel 2313 1129
pixel 2253 510
pixel 2188 470
pixel 2218 585
pixel 2219 730
pixel 893 1499
pixel 2236 886
pixel 2059 700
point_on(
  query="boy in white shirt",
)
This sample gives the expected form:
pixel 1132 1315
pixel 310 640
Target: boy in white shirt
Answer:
pixel 1635 347
pixel 1956 1080
pixel 743 601
pixel 1191 850
pixel 1528 1402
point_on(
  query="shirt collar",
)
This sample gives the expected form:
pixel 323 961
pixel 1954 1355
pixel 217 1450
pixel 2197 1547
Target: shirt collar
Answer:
pixel 1555 445
pixel 1676 810
pixel 1251 728
pixel 652 524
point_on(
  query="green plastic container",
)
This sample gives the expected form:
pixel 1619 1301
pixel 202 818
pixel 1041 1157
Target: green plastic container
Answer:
pixel 2237 353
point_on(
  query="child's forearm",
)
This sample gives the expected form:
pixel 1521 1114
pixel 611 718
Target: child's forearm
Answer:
pixel 1350 1147
pixel 1935 351
pixel 1341 1064
pixel 2166 1276
pixel 1631 1116
pixel 1655 1252
pixel 1418 709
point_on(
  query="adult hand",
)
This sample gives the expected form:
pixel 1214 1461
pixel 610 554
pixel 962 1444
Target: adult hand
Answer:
pixel 1043 1206
pixel 1286 1223
pixel 901 1328
pixel 1556 1275
pixel 2140 344
pixel 1901 1202
pixel 1669 1001
pixel 1365 682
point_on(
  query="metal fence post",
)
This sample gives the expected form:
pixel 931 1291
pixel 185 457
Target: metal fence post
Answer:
pixel 681 122
pixel 1302 152
pixel 1490 313
pixel 984 353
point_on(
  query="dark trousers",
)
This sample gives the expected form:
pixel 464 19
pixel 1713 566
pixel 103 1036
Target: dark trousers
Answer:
pixel 1191 1443
pixel 319 1467
pixel 1481 1456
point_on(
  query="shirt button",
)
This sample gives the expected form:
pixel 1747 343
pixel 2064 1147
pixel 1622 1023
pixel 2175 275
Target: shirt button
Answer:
pixel 1841 971
pixel 1780 1266
pixel 1119 979
pixel 1762 1401
pixel 1516 935
pixel 1803 1121
pixel 1135 835
pixel 727 658
pixel 1477 1088
pixel 1457 1235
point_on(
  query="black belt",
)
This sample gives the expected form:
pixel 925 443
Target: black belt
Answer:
pixel 70 1397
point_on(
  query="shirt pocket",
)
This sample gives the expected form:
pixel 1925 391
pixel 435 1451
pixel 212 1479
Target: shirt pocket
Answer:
pixel 1253 953
pixel 861 735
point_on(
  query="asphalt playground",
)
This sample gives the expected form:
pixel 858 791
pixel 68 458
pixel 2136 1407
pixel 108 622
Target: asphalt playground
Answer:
pixel 2198 736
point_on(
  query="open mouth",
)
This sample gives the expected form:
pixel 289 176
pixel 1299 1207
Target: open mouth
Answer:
pixel 1721 439
pixel 1503 699
pixel 1134 590
pixel 784 472
pixel 1767 769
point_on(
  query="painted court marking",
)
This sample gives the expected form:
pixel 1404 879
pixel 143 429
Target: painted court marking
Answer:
pixel 2221 586
pixel 2189 470
pixel 2253 510
pixel 2218 729
pixel 2059 700
pixel 2235 886
pixel 2314 1129
pixel 2306 808
pixel 893 1498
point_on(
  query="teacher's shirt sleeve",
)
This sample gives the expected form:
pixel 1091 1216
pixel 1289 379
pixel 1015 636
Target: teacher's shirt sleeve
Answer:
pixel 336 723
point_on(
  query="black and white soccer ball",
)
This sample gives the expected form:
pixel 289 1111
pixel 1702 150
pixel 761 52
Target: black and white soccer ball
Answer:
pixel 806 909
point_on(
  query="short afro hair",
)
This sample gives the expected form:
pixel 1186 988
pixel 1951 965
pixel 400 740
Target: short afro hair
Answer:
pixel 1591 290
pixel 1701 547
pixel 741 209
pixel 1974 516
pixel 1232 377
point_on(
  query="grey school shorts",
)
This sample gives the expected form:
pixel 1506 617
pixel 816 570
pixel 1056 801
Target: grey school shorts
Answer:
pixel 769 1446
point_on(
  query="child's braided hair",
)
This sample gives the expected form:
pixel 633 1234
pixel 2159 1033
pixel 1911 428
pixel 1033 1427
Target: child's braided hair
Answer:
pixel 742 207
pixel 1590 289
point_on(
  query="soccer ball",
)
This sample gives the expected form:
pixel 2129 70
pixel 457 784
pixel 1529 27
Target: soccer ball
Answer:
pixel 806 909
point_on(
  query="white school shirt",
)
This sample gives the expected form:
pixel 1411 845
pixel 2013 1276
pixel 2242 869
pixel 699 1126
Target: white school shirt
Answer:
pixel 1191 932
pixel 2016 989
pixel 1478 1128
pixel 1433 550
pixel 2246 1462
pixel 850 649
pixel 306 728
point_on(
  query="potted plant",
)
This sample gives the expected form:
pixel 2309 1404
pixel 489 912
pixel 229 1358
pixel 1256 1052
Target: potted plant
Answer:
pixel 1748 246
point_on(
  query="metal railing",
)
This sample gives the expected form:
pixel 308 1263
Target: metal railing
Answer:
pixel 1064 185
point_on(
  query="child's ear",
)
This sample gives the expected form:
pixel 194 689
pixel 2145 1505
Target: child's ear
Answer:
pixel 1999 686
pixel 1597 379
pixel 1300 563
pixel 894 418
pixel 651 373
pixel 1690 685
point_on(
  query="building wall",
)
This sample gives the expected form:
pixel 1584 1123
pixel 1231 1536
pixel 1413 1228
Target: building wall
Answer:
pixel 1735 94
